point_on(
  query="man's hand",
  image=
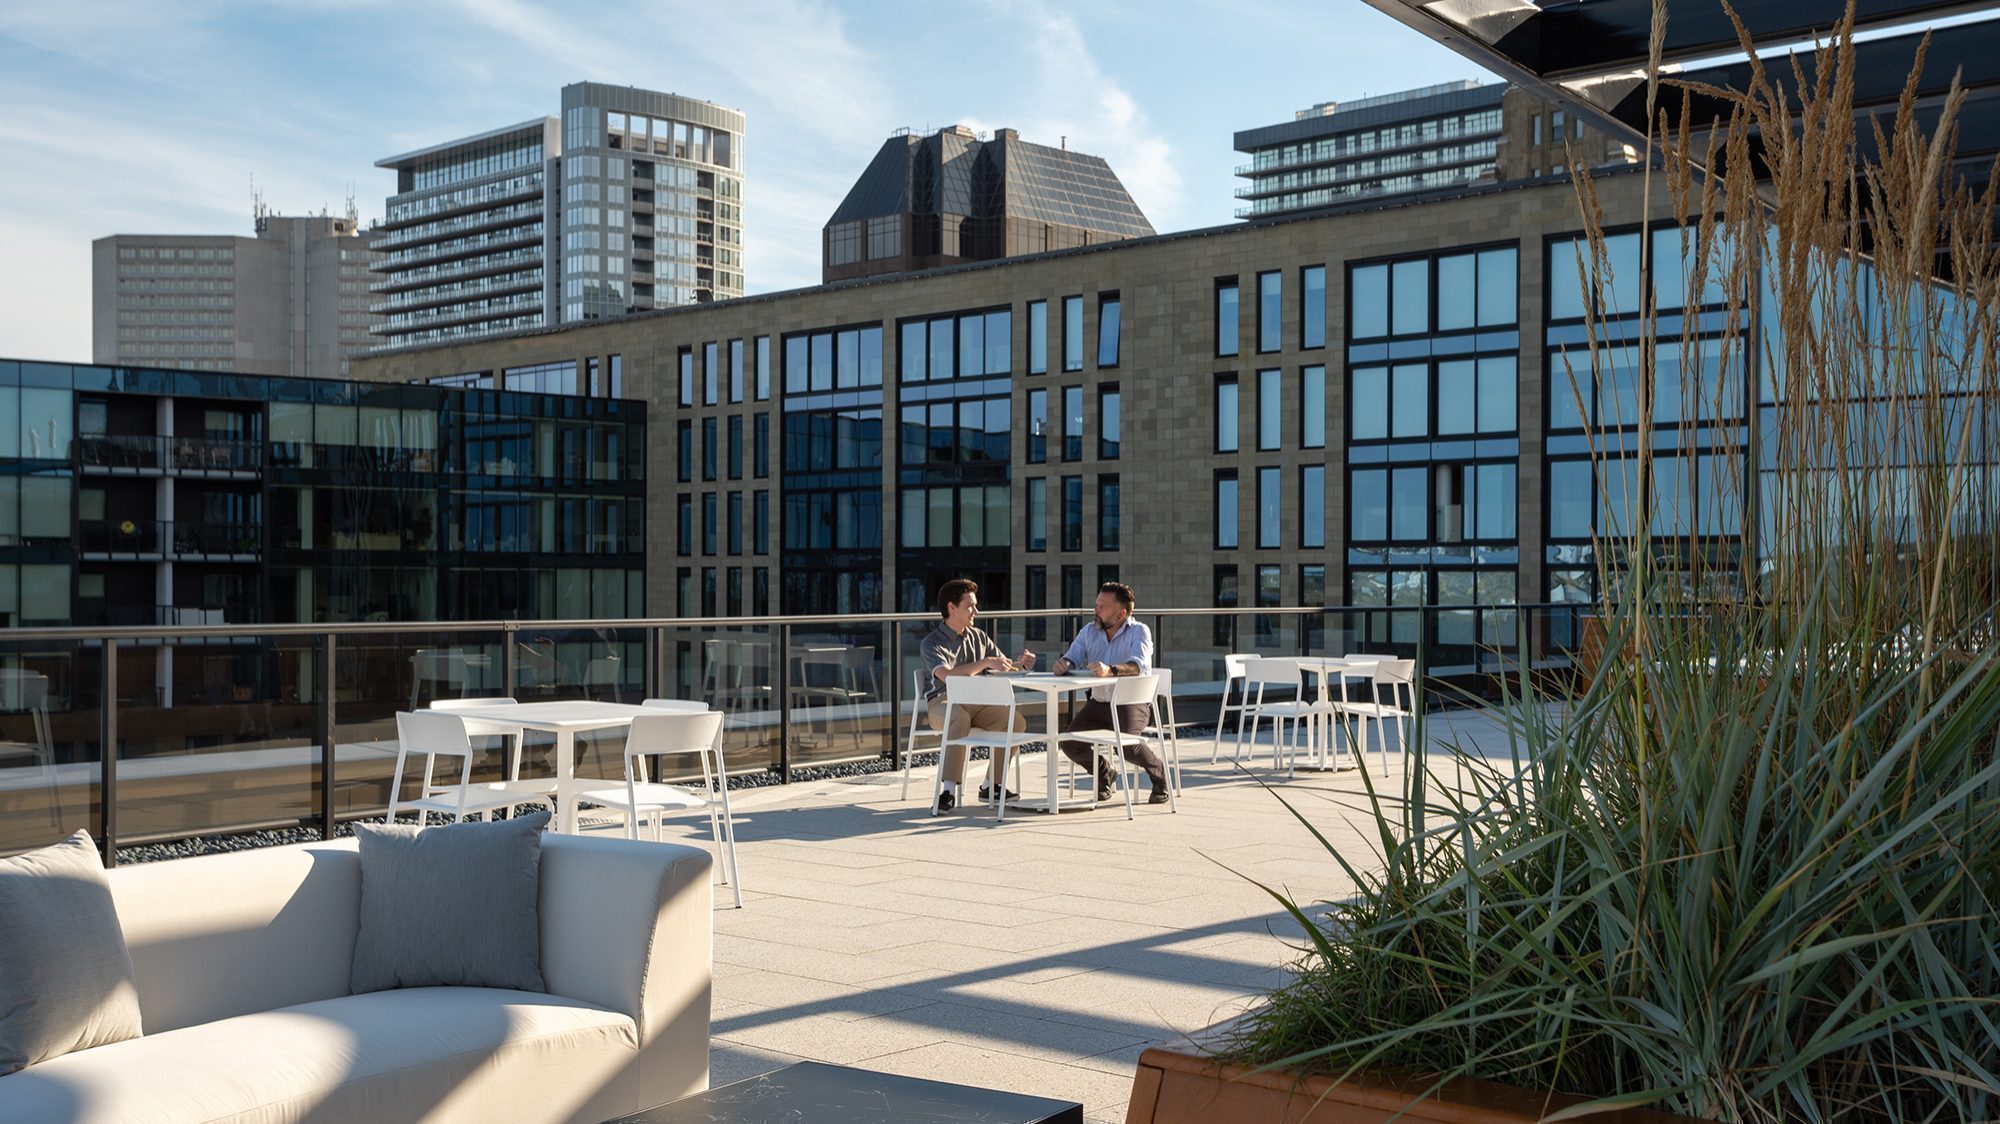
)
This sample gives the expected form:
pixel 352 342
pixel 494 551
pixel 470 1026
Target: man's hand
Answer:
pixel 995 663
pixel 1098 669
pixel 1027 659
pixel 1062 666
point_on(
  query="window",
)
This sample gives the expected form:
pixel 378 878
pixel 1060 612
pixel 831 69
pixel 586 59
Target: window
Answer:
pixel 1312 306
pixel 1227 428
pixel 1226 316
pixel 736 370
pixel 1270 299
pixel 760 458
pixel 684 540
pixel 710 374
pixel 687 376
pixel 1038 337
pixel 1226 519
pixel 1108 422
pixel 1108 329
pixel 708 524
pixel 1410 297
pixel 1270 511
pixel 1312 407
pixel 1038 513
pixel 736 447
pixel 1038 426
pixel 1072 513
pixel 760 523
pixel 1476 290
pixel 736 523
pixel 1072 333
pixel 684 441
pixel 1072 423
pixel 1036 588
pixel 1270 408
pixel 1312 506
pixel 1225 598
pixel 1368 301
pixel 1072 587
pixel 1575 269
pixel 708 449
pixel 1107 513
pixel 1270 594
pixel 763 368
pixel 1476 395
pixel 1312 593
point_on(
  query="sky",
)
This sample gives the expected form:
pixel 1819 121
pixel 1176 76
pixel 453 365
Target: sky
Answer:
pixel 142 117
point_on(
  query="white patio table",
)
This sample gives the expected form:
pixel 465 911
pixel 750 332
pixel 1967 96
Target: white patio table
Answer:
pixel 1325 668
pixel 1051 687
pixel 564 720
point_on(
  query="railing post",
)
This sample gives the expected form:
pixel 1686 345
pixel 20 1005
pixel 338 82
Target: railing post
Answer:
pixel 656 663
pixel 784 655
pixel 509 664
pixel 327 744
pixel 895 670
pixel 107 786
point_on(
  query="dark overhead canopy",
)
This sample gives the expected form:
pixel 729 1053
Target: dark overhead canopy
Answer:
pixel 1590 57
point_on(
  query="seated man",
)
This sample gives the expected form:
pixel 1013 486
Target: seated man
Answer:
pixel 957 647
pixel 1114 644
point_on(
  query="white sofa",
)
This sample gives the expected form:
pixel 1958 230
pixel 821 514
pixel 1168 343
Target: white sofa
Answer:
pixel 242 962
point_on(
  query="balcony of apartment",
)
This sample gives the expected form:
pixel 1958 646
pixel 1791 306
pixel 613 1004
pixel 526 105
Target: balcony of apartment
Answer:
pixel 1344 172
pixel 459 270
pixel 458 314
pixel 472 223
pixel 514 237
pixel 1264 167
pixel 148 455
pixel 159 540
pixel 416 300
pixel 409 210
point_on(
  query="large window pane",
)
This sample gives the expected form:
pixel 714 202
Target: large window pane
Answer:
pixel 971 346
pixel 1312 306
pixel 1410 401
pixel 1493 499
pixel 1457 391
pixel 1108 328
pixel 1411 306
pixel 1368 301
pixel 1038 426
pixel 1226 317
pixel 1038 337
pixel 1369 396
pixel 1569 499
pixel 1312 506
pixel 1569 269
pixel 1409 504
pixel 1618 289
pixel 1457 292
pixel 999 342
pixel 1072 513
pixel 1270 409
pixel 913 351
pixel 1109 423
pixel 942 361
pixel 1368 505
pixel 1499 288
pixel 1225 510
pixel 1497 385
pixel 1107 513
pixel 1038 513
pixel 1072 333
pixel 1270 510
pixel 1226 422
pixel 1270 298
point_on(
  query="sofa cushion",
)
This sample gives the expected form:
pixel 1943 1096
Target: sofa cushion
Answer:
pixel 453 906
pixel 410 1054
pixel 65 976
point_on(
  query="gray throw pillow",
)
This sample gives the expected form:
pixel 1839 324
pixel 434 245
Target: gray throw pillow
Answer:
pixel 452 906
pixel 65 977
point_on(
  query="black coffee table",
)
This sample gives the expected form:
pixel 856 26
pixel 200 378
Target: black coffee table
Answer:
pixel 815 1093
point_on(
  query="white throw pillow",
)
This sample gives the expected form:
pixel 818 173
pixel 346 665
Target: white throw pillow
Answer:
pixel 66 979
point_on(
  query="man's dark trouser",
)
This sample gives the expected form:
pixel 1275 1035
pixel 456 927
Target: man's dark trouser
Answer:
pixel 1095 715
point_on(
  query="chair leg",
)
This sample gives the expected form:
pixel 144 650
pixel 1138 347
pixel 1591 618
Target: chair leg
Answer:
pixel 1125 778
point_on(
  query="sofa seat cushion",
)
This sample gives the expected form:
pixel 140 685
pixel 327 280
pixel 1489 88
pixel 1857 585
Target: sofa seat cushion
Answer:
pixel 412 1054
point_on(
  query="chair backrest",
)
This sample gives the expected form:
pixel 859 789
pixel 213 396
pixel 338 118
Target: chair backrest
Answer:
pixel 1166 678
pixel 1135 690
pixel 1234 663
pixel 979 690
pixel 1271 671
pixel 1396 671
pixel 859 658
pixel 687 706
pixel 461 704
pixel 430 731
pixel 918 704
pixel 439 665
pixel 670 731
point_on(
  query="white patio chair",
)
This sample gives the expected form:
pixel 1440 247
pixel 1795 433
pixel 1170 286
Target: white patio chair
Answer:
pixel 1130 690
pixel 672 731
pixel 513 741
pixel 985 690
pixel 435 734
pixel 1165 727
pixel 22 690
pixel 1263 675
pixel 443 668
pixel 918 728
pixel 1232 676
pixel 1398 677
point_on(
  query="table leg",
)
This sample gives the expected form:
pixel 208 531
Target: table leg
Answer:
pixel 1055 795
pixel 566 781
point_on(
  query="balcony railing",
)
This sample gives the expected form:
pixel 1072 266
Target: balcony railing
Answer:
pixel 184 454
pixel 167 538
pixel 238 727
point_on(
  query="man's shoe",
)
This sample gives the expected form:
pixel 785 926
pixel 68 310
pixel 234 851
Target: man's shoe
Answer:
pixel 1104 792
pixel 1159 796
pixel 986 794
pixel 946 801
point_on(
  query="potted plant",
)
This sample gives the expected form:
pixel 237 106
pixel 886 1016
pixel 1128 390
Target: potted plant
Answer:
pixel 1747 870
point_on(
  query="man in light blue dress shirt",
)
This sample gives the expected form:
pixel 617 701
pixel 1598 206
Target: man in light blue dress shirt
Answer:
pixel 1113 644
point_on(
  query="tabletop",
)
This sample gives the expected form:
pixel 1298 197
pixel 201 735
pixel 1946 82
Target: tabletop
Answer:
pixel 830 1094
pixel 556 715
pixel 1051 683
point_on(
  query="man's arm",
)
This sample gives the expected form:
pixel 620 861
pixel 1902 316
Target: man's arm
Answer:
pixel 1141 664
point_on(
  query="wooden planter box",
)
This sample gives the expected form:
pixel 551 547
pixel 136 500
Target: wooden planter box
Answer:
pixel 1176 1088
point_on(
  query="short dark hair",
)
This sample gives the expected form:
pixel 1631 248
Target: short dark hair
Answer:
pixel 954 591
pixel 1122 592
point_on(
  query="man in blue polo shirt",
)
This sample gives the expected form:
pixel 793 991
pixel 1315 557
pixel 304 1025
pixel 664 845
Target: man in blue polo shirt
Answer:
pixel 1113 644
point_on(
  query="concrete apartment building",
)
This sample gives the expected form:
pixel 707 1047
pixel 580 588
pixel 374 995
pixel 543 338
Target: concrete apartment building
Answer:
pixel 631 200
pixel 292 300
pixel 1368 406
pixel 950 198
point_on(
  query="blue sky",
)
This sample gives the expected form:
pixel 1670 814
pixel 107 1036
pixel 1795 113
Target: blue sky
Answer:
pixel 149 117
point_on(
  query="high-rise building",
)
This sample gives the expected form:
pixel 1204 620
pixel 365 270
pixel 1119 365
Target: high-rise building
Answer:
pixel 630 200
pixel 290 301
pixel 1432 139
pixel 951 197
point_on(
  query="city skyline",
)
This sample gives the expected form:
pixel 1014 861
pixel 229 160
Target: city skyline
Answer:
pixel 1113 80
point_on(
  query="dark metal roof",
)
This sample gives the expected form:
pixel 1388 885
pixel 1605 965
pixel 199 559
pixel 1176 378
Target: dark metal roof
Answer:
pixel 953 173
pixel 1590 56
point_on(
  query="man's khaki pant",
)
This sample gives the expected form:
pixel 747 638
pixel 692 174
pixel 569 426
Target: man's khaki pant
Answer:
pixel 964 720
